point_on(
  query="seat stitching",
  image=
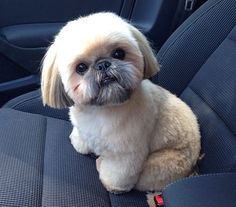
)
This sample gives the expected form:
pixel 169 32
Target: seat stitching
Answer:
pixel 233 165
pixel 231 131
pixel 46 121
pixel 232 39
pixel 109 199
pixel 24 101
pixel 197 177
pixel 187 28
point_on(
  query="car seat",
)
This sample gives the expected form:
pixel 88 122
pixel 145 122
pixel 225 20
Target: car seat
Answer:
pixel 39 167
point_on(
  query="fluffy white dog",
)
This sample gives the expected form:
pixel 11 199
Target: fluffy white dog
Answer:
pixel 145 136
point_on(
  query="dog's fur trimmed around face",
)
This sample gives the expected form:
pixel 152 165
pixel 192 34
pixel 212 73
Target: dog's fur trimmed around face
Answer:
pixel 145 137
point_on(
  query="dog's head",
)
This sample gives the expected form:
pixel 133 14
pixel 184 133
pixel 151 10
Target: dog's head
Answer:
pixel 99 59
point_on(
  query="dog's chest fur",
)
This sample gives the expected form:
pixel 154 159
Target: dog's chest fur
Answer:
pixel 94 128
pixel 121 128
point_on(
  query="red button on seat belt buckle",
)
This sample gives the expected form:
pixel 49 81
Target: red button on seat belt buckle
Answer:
pixel 159 200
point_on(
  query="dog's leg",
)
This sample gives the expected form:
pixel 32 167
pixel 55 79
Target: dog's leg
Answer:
pixel 79 145
pixel 163 167
pixel 119 173
pixel 98 163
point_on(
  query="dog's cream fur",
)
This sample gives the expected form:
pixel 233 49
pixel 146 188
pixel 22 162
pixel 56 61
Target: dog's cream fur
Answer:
pixel 145 142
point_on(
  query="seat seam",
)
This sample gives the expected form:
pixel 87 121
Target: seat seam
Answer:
pixel 109 199
pixel 21 103
pixel 43 159
pixel 231 39
pixel 186 29
pixel 216 113
pixel 197 177
pixel 234 164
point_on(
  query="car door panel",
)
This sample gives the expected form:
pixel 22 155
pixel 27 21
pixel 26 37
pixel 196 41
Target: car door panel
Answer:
pixel 25 44
pixel 28 27
pixel 16 12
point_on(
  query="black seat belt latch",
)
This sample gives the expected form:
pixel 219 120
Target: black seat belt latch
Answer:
pixel 189 5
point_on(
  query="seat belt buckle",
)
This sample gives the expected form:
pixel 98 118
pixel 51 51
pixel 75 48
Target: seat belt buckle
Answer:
pixel 158 199
pixel 189 5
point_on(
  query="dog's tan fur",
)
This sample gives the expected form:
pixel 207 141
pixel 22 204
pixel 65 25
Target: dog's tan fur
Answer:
pixel 145 142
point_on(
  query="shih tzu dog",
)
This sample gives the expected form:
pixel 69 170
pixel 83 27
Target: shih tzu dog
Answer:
pixel 145 136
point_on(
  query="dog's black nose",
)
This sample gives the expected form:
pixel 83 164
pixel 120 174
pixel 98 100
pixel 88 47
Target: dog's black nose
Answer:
pixel 102 65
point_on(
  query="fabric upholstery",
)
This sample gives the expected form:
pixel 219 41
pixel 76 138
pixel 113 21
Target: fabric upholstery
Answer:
pixel 32 103
pixel 39 167
pixel 202 191
pixel 193 42
pixel 211 94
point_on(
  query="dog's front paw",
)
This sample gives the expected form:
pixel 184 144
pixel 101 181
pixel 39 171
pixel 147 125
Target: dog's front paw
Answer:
pixel 79 145
pixel 113 177
pixel 113 189
pixel 98 163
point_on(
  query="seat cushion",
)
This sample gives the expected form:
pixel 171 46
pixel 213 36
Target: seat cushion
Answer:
pixel 39 167
pixel 32 103
pixel 193 42
pixel 212 96
pixel 202 191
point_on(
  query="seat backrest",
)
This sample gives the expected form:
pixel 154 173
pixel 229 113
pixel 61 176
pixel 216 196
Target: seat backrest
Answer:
pixel 199 64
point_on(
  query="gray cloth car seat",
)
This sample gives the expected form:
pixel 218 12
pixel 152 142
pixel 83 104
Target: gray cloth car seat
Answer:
pixel 39 167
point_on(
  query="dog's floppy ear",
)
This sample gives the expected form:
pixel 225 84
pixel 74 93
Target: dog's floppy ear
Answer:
pixel 151 66
pixel 53 92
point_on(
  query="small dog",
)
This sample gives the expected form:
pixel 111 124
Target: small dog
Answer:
pixel 145 136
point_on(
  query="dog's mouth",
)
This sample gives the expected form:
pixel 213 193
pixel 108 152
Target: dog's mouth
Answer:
pixel 110 91
pixel 107 80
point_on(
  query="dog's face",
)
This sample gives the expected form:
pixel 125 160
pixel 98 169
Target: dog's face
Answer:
pixel 96 60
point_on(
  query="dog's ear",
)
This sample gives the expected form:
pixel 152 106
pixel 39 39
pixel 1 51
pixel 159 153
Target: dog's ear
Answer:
pixel 151 66
pixel 53 92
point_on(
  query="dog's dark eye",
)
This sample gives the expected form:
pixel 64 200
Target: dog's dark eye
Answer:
pixel 81 68
pixel 118 54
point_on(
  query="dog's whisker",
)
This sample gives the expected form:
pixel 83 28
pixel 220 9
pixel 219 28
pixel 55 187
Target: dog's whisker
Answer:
pixel 76 87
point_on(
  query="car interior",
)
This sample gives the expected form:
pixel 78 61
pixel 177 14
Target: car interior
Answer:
pixel 195 43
